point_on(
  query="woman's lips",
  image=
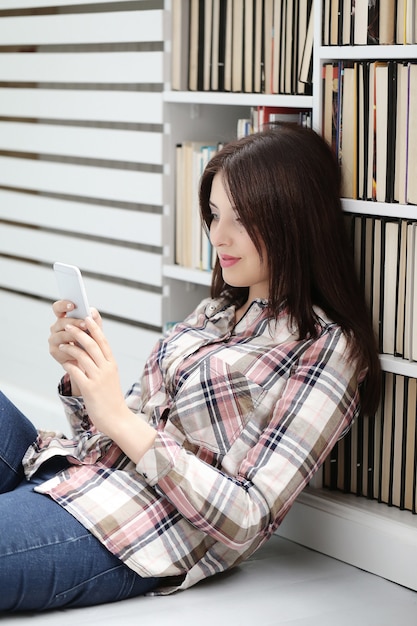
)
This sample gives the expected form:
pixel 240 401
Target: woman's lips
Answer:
pixel 228 261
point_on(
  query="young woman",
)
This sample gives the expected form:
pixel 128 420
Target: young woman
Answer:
pixel 236 410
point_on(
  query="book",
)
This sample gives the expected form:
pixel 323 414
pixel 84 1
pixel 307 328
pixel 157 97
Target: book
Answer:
pixel 360 22
pixel 257 55
pixel 381 132
pixel 386 439
pixel 357 246
pixel 412 135
pixel 367 253
pixel 410 22
pixel 188 225
pixel 196 45
pixel 179 204
pixel 391 129
pixel 401 23
pixel 283 47
pixel 289 48
pixel 401 290
pixel 377 282
pixel 413 298
pixel 408 500
pixel 390 255
pixel 327 121
pixel 180 45
pixel 215 46
pixel 411 273
pixel 372 454
pixel 326 23
pixel 396 483
pixel 354 464
pixel 228 45
pixel 208 41
pixel 363 120
pixel 276 46
pixel 248 46
pixel 401 135
pixel 268 44
pixel 347 147
pixel 294 63
pixel 237 45
pixel 205 253
pixel 306 62
pixel 346 17
pixel 222 43
pixel 334 22
pixel 376 462
pixel 387 9
pixel 371 168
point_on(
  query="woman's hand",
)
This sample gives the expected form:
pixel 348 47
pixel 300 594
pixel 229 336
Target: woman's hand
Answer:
pixel 88 359
pixel 59 336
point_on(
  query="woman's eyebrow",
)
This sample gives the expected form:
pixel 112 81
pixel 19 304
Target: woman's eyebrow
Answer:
pixel 212 205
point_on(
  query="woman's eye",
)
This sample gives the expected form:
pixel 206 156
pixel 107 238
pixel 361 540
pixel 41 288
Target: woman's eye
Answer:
pixel 214 216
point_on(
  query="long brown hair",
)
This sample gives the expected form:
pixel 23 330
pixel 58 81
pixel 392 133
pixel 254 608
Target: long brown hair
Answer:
pixel 285 184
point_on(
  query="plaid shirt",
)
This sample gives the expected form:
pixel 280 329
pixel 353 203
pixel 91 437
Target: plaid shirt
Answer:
pixel 244 415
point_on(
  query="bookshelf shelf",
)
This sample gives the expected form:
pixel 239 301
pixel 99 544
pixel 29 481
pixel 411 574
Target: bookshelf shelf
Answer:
pixel 187 275
pixel 365 533
pixel 397 365
pixel 383 209
pixel 361 532
pixel 237 99
pixel 341 53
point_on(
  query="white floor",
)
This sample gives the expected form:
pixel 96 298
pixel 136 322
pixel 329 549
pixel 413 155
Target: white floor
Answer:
pixel 283 583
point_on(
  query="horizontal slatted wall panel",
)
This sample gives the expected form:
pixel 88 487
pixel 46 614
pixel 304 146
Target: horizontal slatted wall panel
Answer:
pixel 81 179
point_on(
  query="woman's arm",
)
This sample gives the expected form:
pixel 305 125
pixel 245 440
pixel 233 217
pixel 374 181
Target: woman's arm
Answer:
pixel 88 360
pixel 317 404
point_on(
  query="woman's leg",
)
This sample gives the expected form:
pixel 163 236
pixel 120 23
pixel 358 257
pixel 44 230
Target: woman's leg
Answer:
pixel 16 435
pixel 49 560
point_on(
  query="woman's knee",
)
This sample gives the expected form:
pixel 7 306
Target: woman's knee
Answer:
pixel 16 435
pixel 49 560
pixel 47 577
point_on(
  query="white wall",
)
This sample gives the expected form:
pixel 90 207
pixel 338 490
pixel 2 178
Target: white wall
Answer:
pixel 81 181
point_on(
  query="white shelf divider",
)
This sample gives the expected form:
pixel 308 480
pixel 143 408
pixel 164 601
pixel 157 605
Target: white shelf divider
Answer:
pixel 186 274
pixel 237 99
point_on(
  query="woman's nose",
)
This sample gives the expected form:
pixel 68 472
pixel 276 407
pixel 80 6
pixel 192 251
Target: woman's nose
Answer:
pixel 219 234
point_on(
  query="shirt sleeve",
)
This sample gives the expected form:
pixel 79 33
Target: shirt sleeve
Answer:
pixel 75 410
pixel 318 403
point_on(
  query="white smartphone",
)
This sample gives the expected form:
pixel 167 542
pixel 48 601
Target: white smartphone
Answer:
pixel 71 287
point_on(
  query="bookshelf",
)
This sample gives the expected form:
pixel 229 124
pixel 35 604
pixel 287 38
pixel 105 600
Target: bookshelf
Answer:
pixel 362 532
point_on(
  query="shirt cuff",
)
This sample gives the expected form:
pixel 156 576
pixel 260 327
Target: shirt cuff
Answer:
pixel 64 387
pixel 74 407
pixel 159 460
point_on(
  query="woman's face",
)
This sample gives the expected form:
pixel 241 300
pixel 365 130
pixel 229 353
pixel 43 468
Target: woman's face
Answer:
pixel 238 256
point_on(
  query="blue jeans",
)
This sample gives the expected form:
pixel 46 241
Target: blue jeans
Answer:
pixel 47 558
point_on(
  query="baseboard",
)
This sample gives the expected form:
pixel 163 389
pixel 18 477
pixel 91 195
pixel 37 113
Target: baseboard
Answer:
pixel 372 536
